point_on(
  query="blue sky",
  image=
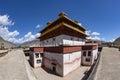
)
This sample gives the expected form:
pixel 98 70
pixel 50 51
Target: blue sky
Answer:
pixel 101 18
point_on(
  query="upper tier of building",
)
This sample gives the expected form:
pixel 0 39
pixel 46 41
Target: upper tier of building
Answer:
pixel 63 25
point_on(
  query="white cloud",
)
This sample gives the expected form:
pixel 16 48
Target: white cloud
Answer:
pixel 5 21
pixel 112 40
pixel 38 26
pixel 94 38
pixel 88 32
pixel 80 24
pixel 11 35
pixel 14 33
pixel 6 34
pixel 28 37
pixel 95 33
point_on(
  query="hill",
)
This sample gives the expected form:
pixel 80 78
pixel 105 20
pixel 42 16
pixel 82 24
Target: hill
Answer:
pixel 34 43
pixel 6 44
pixel 117 41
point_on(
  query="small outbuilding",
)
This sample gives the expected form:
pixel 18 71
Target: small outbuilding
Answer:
pixel 89 54
pixel 36 56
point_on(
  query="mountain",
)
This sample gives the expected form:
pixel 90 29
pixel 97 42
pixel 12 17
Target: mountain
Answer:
pixel 6 44
pixel 34 43
pixel 117 41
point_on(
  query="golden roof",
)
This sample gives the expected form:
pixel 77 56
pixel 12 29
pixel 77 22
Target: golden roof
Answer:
pixel 63 20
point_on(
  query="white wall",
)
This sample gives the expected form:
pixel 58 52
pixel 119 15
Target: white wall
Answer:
pixel 35 60
pixel 62 40
pixel 92 57
pixel 54 58
pixel 71 62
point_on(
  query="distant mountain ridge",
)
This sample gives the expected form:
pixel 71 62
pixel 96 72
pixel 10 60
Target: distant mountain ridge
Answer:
pixel 117 41
pixel 34 43
pixel 6 44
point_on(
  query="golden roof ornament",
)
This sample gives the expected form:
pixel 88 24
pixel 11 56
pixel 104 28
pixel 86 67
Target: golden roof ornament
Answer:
pixel 48 23
pixel 62 14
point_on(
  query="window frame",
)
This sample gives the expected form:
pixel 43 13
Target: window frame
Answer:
pixel 37 55
pixel 89 53
pixel 84 53
pixel 38 61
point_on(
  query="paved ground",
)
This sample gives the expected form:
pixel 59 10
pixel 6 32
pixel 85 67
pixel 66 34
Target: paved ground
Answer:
pixel 109 66
pixel 14 66
pixel 47 75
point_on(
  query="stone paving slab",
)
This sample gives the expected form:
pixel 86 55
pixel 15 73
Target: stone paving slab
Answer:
pixel 109 66
pixel 75 75
pixel 14 66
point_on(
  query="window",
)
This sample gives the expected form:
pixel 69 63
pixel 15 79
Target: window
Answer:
pixel 53 39
pixel 71 38
pixel 38 61
pixel 87 59
pixel 47 41
pixel 37 55
pixel 89 53
pixel 84 53
pixel 41 54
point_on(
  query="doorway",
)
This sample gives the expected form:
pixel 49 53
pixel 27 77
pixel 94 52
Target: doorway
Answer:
pixel 54 68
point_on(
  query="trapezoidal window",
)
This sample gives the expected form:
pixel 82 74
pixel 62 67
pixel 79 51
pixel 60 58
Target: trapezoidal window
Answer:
pixel 89 53
pixel 71 38
pixel 41 54
pixel 53 39
pixel 87 59
pixel 37 55
pixel 84 53
pixel 38 61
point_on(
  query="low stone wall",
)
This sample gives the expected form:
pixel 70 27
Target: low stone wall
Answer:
pixel 3 53
pixel 94 69
pixel 90 74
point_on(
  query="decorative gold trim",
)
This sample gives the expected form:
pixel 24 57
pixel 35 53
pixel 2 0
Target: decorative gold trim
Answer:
pixel 51 29
pixel 67 25
pixel 65 17
pixel 57 26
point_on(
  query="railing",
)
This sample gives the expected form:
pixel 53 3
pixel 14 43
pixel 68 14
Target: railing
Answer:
pixel 94 69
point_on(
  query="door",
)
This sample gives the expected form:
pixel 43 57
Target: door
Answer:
pixel 54 68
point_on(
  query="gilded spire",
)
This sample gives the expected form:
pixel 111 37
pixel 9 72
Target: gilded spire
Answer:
pixel 62 14
pixel 48 22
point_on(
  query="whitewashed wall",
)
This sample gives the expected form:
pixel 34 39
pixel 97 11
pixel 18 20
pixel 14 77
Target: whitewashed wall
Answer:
pixel 54 58
pixel 62 40
pixel 92 57
pixel 71 62
pixel 84 62
pixel 31 55
pixel 95 54
pixel 35 60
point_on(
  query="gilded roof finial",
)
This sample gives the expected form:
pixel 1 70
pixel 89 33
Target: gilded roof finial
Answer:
pixel 62 14
pixel 48 22
pixel 76 21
